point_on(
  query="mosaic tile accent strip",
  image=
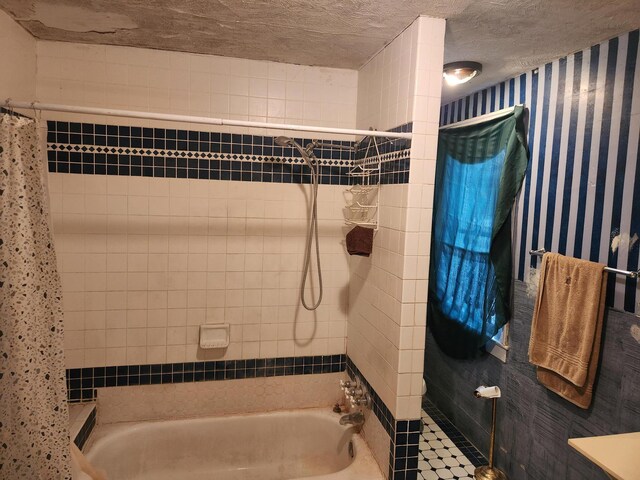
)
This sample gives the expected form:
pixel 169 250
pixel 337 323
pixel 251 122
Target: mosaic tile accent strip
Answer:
pixel 404 435
pixel 394 168
pixel 185 154
pixel 182 140
pixel 92 149
pixel 444 452
pixel 82 382
pixel 178 164
pixel 85 431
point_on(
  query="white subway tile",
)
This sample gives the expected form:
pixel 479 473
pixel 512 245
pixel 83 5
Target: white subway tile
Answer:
pixel 176 353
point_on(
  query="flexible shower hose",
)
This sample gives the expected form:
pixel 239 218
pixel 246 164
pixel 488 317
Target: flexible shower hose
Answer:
pixel 311 233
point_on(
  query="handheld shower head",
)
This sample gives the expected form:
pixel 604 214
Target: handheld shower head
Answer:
pixel 284 141
pixel 308 156
pixel 306 153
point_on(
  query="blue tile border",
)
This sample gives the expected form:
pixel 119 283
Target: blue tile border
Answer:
pixel 404 435
pixel 377 405
pixel 96 149
pixel 83 382
pixel 85 431
pixel 404 450
pixel 394 168
pixel 182 140
pixel 66 158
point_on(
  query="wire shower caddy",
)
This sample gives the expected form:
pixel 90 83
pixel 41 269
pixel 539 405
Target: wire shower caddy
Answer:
pixel 363 207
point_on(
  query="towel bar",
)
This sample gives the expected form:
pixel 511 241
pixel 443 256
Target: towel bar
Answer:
pixel 541 251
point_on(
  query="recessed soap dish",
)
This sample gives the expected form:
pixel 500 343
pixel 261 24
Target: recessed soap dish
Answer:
pixel 214 336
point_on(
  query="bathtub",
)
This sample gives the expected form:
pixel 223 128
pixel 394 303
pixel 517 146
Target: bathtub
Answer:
pixel 284 445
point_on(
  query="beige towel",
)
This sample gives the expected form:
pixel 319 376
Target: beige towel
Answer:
pixel 567 326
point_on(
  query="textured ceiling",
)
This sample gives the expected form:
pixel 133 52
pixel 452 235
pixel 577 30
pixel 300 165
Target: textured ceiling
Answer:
pixel 507 36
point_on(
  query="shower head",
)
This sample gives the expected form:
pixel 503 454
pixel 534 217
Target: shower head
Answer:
pixel 284 141
pixel 290 142
pixel 306 153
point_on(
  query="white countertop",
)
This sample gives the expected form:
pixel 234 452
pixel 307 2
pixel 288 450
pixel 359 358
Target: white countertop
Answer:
pixel 618 455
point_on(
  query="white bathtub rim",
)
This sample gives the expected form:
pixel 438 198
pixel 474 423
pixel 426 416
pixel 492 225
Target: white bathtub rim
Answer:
pixel 363 467
pixel 102 430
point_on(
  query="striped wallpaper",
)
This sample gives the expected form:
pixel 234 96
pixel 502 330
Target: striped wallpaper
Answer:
pixel 583 183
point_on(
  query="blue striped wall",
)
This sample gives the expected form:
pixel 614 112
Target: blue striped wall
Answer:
pixel 583 183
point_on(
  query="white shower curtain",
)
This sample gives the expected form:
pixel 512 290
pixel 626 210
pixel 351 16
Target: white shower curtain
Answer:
pixel 34 437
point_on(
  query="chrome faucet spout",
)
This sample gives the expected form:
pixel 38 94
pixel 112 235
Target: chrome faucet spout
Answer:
pixel 355 418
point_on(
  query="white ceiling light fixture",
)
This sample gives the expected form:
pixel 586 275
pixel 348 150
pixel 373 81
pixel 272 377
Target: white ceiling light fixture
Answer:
pixel 457 73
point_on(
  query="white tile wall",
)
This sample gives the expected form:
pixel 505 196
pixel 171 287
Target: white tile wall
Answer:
pixel 427 87
pixel 387 310
pixel 426 106
pixel 18 60
pixel 385 84
pixel 145 261
pixel 190 84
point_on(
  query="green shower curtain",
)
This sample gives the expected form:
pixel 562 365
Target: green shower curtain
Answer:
pixel 479 172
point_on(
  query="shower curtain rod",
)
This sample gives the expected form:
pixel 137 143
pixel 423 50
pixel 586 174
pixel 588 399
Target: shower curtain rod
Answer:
pixel 541 251
pixel 11 112
pixel 481 118
pixel 201 120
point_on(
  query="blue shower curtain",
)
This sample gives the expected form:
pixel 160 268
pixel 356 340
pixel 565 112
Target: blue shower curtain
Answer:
pixel 479 172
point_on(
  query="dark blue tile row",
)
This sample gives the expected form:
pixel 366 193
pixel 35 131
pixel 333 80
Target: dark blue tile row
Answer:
pixel 219 167
pixel 186 140
pixel 85 148
pixel 460 441
pixel 404 451
pixel 404 435
pixel 85 431
pixel 82 382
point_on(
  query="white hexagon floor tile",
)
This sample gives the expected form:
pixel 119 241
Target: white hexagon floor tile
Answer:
pixel 440 458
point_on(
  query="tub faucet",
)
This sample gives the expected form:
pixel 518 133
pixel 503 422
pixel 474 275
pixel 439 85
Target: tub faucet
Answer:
pixel 355 418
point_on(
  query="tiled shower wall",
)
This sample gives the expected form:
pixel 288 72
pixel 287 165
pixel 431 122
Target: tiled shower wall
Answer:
pixel 144 261
pixel 387 304
pixel 18 56
pixel 388 290
pixel 189 84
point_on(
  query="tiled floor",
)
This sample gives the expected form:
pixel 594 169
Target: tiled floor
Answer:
pixel 444 452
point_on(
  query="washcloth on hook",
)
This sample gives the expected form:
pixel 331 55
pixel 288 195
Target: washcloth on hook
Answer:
pixel 360 241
